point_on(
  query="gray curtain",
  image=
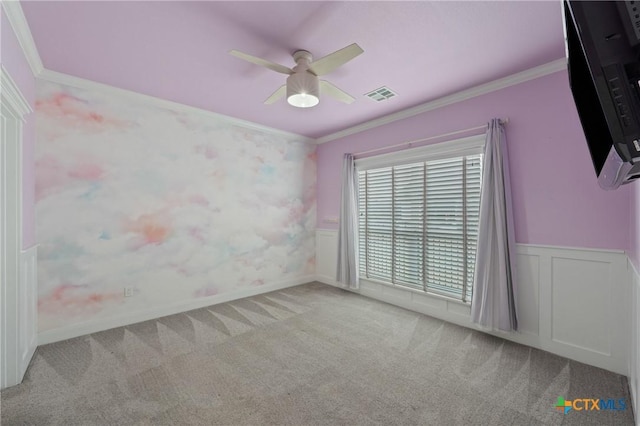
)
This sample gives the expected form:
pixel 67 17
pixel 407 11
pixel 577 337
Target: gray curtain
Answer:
pixel 347 272
pixel 494 296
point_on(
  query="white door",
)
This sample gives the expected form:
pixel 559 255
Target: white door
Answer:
pixel 17 316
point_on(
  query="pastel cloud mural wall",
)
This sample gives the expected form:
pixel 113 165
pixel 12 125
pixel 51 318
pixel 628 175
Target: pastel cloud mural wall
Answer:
pixel 174 205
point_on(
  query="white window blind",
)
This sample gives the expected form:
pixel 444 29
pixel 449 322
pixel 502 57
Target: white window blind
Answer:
pixel 418 224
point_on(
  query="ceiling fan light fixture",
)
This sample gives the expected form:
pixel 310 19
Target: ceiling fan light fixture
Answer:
pixel 303 90
pixel 303 100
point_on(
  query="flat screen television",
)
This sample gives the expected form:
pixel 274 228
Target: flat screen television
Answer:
pixel 603 52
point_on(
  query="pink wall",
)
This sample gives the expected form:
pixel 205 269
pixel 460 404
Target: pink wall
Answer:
pixel 15 63
pixel 556 197
pixel 634 225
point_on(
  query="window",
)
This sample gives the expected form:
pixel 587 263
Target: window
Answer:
pixel 418 217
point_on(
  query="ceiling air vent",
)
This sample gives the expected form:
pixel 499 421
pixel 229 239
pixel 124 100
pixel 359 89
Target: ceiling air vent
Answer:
pixel 381 94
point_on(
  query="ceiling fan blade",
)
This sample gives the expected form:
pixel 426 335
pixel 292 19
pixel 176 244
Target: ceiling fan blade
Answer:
pixel 334 92
pixel 333 60
pixel 276 95
pixel 262 62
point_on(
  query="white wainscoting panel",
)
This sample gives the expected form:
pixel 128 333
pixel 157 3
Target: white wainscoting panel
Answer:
pixel 28 324
pixel 528 301
pixel 581 295
pixel 20 332
pixel 572 302
pixel 634 346
pixel 326 254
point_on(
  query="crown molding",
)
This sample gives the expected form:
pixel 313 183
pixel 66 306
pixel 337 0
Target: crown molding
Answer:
pixel 483 89
pixel 81 83
pixel 16 18
pixel 11 96
pixel 18 21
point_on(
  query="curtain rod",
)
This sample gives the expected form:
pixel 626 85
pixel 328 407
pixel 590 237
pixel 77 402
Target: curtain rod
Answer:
pixel 502 120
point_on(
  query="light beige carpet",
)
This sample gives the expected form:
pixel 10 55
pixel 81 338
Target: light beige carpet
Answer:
pixel 308 355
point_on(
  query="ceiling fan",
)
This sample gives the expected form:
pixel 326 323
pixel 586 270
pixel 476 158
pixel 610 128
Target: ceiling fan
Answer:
pixel 303 85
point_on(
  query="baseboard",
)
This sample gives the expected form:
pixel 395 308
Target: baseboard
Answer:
pixel 26 359
pixel 76 330
pixel 328 280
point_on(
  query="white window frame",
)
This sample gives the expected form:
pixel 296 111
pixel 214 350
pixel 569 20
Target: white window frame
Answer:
pixel 472 145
